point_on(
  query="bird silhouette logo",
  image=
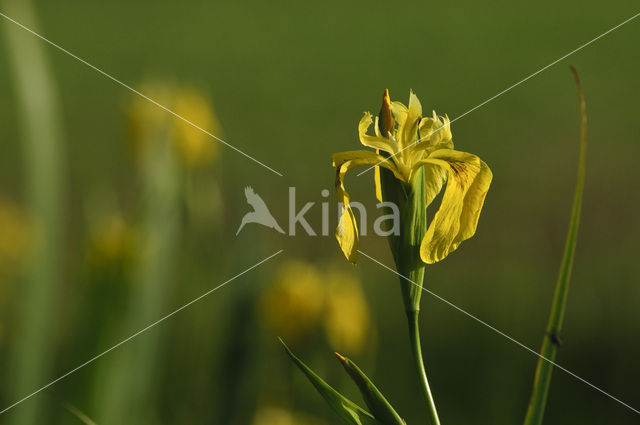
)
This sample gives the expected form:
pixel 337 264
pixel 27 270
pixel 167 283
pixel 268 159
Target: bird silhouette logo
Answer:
pixel 260 213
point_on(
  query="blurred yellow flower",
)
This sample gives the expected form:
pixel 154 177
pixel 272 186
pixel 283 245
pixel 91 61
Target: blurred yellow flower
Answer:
pixel 195 147
pixel 112 242
pixel 292 306
pixel 346 319
pixel 15 240
pixel 148 123
pixel 302 299
pixel 273 415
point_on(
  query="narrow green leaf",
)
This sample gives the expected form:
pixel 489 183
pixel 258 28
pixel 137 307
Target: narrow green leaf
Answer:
pixel 551 341
pixel 350 412
pixel 379 406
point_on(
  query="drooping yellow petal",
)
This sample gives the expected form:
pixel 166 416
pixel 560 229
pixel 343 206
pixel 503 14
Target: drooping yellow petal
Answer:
pixel 347 234
pixel 347 230
pixel 435 176
pixel 379 143
pixel 468 181
pixel 473 203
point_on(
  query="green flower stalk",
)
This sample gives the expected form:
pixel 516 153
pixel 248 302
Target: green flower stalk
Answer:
pixel 414 159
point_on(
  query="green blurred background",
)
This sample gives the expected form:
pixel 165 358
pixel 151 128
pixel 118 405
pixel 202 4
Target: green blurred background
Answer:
pixel 108 227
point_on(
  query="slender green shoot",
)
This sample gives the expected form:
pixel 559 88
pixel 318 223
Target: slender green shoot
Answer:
pixel 348 411
pixel 375 400
pixel 551 341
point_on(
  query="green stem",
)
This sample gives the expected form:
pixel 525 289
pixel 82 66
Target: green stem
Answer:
pixel 551 341
pixel 414 336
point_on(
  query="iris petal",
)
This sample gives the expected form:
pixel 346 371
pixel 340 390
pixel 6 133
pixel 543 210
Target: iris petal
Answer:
pixel 347 231
pixel 399 112
pixel 379 143
pixel 435 177
pixel 435 133
pixel 408 129
pixel 468 180
pixel 378 183
pixel 473 203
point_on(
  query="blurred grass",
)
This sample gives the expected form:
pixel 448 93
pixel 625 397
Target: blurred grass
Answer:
pixel 129 376
pixel 28 361
pixel 290 82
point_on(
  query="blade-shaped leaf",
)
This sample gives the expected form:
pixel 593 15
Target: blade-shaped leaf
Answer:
pixel 350 412
pixel 377 403
pixel 551 341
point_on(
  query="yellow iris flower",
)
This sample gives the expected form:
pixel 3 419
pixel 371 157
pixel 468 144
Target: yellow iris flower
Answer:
pixel 409 143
